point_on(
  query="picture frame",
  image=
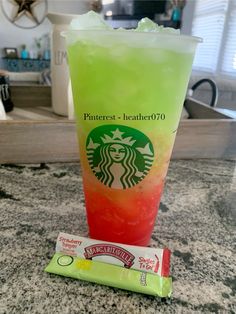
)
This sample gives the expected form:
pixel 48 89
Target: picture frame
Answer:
pixel 11 53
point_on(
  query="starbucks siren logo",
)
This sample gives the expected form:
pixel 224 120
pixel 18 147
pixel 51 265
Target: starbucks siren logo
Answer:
pixel 119 156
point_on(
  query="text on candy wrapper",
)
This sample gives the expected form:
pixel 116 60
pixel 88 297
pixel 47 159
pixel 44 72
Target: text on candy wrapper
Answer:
pixel 148 264
pixel 111 250
pixel 69 243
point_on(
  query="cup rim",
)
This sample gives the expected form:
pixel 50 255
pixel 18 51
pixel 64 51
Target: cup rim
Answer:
pixel 114 32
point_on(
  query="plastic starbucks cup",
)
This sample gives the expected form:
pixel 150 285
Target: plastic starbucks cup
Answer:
pixel 128 89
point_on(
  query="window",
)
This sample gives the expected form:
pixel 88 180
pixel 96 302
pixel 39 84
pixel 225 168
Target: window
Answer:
pixel 215 22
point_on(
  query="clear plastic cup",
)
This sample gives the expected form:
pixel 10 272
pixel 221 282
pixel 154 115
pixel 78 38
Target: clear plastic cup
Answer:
pixel 128 89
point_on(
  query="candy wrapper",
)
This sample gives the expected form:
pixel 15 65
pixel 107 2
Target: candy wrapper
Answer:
pixel 110 275
pixel 152 260
pixel 68 262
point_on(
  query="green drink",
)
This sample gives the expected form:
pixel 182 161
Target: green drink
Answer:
pixel 128 90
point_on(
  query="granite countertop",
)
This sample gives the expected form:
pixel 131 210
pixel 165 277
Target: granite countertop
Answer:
pixel 196 220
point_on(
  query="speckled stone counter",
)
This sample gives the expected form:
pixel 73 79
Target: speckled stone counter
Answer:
pixel 196 220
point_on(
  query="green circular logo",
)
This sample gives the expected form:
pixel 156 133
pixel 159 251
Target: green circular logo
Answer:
pixel 65 260
pixel 119 156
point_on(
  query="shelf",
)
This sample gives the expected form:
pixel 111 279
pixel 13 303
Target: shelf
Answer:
pixel 25 65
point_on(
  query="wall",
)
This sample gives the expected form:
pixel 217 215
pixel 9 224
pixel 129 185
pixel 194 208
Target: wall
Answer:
pixel 12 36
pixel 187 17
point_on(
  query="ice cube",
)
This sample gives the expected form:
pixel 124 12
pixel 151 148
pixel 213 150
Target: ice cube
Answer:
pixel 170 30
pixel 122 29
pixel 147 25
pixel 89 21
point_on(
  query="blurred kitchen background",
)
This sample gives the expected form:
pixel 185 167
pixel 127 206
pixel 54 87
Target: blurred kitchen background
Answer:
pixel 26 55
